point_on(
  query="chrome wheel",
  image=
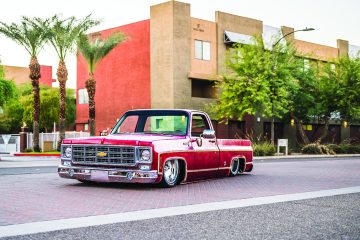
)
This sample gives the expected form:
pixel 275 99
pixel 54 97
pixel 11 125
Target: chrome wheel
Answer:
pixel 171 172
pixel 234 167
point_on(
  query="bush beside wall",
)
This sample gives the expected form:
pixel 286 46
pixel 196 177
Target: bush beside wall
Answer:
pixel 264 149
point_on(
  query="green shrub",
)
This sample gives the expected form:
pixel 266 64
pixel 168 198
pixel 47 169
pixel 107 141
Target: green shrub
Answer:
pixel 345 148
pixel 264 149
pixel 27 150
pixel 336 148
pixel 315 148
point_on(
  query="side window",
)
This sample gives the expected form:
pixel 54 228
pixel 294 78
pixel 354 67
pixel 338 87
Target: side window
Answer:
pixel 198 125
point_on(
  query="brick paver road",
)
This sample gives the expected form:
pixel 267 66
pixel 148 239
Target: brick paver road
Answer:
pixel 37 197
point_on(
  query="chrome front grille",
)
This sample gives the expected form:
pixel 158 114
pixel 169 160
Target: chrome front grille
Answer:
pixel 103 155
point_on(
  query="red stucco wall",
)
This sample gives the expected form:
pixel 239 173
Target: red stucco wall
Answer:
pixel 46 75
pixel 122 78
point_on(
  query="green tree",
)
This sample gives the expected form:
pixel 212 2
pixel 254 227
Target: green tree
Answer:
pixel 7 88
pixel 19 110
pixel 304 96
pixel 339 86
pixel 30 34
pixel 49 105
pixel 258 82
pixel 63 35
pixel 93 52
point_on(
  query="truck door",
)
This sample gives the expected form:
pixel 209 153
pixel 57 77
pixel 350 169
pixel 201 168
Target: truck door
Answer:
pixel 206 154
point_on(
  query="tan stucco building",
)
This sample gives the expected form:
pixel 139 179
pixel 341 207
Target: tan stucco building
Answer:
pixel 186 58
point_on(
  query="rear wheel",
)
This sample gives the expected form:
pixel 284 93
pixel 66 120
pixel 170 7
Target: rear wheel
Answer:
pixel 171 173
pixel 234 167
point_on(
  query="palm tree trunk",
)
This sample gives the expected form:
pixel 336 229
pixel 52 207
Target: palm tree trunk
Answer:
pixel 35 75
pixel 91 88
pixel 62 75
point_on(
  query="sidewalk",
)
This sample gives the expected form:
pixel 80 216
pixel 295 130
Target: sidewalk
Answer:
pixel 9 161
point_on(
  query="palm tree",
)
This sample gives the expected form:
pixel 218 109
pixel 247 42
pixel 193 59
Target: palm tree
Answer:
pixel 30 34
pixel 93 52
pixel 63 34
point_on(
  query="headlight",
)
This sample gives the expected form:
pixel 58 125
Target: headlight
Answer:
pixel 145 155
pixel 67 152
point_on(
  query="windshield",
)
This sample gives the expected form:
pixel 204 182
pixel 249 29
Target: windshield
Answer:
pixel 153 122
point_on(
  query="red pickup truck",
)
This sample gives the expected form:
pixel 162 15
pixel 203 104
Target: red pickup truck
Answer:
pixel 156 146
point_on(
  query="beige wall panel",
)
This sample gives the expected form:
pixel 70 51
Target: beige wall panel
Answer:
pixel 161 55
pixel 181 55
pixel 233 23
pixel 19 74
pixel 343 47
pixel 205 31
pixel 316 51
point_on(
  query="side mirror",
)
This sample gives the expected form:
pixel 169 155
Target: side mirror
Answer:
pixel 208 134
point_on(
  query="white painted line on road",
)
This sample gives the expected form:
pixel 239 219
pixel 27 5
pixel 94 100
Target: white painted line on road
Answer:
pixel 62 224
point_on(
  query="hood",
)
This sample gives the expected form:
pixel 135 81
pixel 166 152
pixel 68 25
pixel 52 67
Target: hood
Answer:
pixel 122 139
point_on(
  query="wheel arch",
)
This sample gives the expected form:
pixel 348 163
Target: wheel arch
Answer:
pixel 183 167
pixel 242 162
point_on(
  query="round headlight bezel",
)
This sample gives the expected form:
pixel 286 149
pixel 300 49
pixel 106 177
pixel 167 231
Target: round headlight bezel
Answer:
pixel 68 152
pixel 145 155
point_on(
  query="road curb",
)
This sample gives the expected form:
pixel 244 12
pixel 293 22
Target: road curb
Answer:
pixel 305 156
pixel 37 154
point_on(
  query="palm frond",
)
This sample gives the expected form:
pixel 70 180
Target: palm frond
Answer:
pixel 95 51
pixel 29 33
pixel 64 33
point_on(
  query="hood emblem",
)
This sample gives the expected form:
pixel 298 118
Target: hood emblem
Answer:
pixel 101 154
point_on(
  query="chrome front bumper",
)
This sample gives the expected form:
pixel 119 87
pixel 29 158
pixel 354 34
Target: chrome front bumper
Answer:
pixel 107 175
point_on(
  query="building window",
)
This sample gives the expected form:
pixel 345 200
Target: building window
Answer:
pixel 202 50
pixel 307 127
pixel 86 127
pixel 203 88
pixel 83 96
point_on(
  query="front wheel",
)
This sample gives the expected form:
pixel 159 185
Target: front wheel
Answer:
pixel 171 173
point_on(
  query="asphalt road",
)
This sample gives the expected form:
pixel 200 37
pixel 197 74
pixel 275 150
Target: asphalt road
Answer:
pixel 37 194
pixel 335 217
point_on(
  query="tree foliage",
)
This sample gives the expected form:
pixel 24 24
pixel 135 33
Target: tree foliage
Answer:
pixel 63 33
pixel 94 51
pixel 340 85
pixel 7 88
pixel 19 110
pixel 258 81
pixel 29 33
